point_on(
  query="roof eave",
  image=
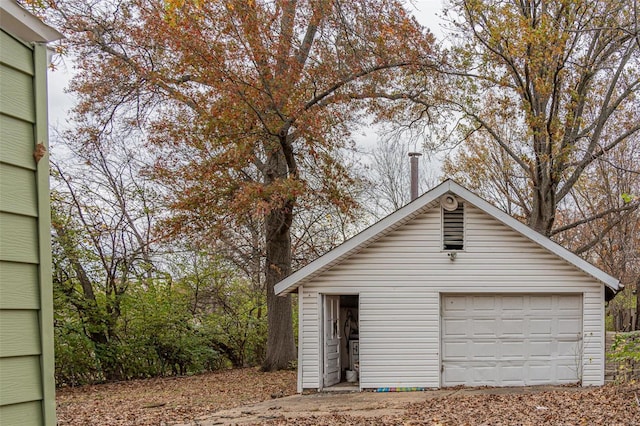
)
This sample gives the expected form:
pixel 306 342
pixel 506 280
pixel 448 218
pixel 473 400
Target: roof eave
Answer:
pixel 23 24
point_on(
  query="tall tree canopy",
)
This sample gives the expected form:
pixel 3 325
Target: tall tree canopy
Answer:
pixel 246 105
pixel 549 92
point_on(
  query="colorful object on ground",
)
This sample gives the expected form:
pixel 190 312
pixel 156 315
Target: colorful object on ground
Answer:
pixel 409 389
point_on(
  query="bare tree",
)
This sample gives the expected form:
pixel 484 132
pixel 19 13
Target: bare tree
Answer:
pixel 102 220
pixel 389 180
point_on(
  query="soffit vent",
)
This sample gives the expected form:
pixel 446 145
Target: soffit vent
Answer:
pixel 453 228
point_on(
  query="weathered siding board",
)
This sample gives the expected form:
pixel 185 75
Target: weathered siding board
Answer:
pixel 18 189
pixel 408 267
pixel 19 242
pixel 21 380
pixel 19 333
pixel 16 94
pixel 19 289
pixel 15 54
pixel 24 414
pixel 17 142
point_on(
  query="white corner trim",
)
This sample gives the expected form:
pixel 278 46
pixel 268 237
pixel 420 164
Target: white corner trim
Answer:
pixel 300 337
pixel 23 24
pixel 422 203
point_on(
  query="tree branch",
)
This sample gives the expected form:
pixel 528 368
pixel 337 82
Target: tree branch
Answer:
pixel 630 206
pixel 588 159
pixel 604 232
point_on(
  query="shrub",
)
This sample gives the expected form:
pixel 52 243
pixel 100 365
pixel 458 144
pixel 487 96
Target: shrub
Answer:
pixel 625 353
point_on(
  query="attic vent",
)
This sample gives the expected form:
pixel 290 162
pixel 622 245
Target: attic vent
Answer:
pixel 453 228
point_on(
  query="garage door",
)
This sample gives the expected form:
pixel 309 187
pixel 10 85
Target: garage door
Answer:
pixel 510 340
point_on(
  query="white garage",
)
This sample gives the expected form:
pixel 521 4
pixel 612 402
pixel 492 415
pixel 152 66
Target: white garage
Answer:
pixel 448 291
pixel 511 340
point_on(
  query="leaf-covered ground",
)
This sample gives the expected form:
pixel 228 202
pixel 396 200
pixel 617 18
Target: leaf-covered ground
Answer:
pixel 183 400
pixel 169 400
pixel 611 405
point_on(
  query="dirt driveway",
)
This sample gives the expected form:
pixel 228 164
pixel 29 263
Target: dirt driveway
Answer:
pixel 356 404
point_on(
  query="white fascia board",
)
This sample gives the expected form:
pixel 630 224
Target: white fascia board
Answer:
pixel 23 24
pixel 360 240
pixel 536 237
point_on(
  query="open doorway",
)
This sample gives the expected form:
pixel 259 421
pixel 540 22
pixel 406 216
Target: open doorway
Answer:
pixel 341 345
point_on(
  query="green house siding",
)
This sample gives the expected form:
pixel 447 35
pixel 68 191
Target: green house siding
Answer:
pixel 27 387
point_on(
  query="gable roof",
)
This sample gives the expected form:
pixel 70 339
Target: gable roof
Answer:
pixel 413 209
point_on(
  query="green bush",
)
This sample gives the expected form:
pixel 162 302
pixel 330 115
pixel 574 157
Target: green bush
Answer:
pixel 625 352
pixel 75 360
pixel 160 331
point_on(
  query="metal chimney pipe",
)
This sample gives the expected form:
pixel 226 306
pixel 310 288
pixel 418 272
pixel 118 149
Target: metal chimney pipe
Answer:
pixel 414 174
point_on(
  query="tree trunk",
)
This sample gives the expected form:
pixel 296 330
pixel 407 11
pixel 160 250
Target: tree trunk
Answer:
pixel 281 348
pixel 543 209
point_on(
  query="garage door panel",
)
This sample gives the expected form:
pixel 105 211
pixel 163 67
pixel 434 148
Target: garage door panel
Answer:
pixel 569 303
pixel 540 372
pixel 453 304
pixel 484 303
pixel 540 326
pixel 512 374
pixel 513 350
pixel 484 349
pixel 455 327
pixel 512 327
pixel 455 350
pixel 510 340
pixel 568 348
pixel 539 349
pixel 457 375
pixel 569 326
pixel 540 303
pixel 485 373
pixel 512 303
pixel 485 327
pixel 567 373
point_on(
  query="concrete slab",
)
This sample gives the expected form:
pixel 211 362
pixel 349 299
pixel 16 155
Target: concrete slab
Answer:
pixel 365 404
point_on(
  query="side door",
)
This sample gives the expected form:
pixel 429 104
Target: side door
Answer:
pixel 331 340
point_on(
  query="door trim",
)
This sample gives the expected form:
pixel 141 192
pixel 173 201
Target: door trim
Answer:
pixel 325 308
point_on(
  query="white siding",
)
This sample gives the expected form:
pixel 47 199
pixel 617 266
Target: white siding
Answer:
pixel 310 339
pixel 593 362
pixel 398 340
pixel 406 271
